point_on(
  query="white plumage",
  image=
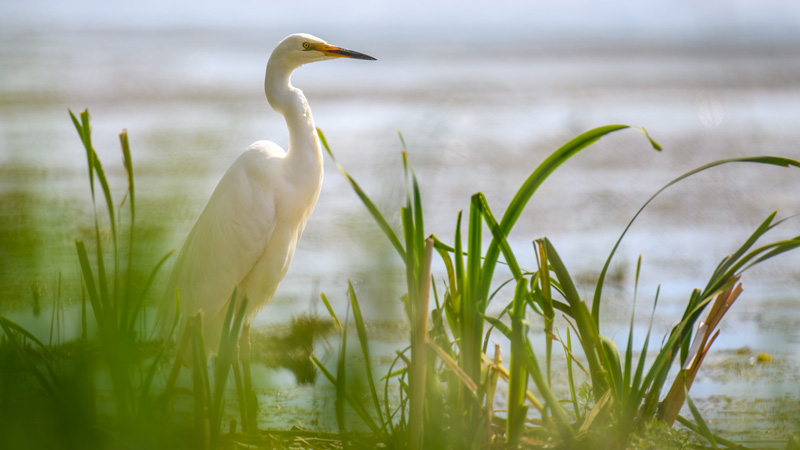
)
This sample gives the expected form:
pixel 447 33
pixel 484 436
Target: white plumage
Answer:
pixel 246 236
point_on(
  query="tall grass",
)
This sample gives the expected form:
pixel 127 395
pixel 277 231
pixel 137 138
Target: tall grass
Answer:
pixel 116 307
pixel 447 395
pixel 117 302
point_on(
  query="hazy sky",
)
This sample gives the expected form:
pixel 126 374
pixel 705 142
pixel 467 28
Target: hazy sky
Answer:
pixel 576 19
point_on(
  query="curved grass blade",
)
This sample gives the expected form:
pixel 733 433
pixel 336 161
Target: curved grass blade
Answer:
pixel 453 366
pixel 373 210
pixel 629 344
pixel 772 160
pixel 330 310
pixel 536 178
pixel 705 431
pixel 140 301
pixel 479 201
pixel 96 169
pixel 8 326
pixel 363 339
pixel 637 376
pixel 727 443
pixel 127 162
pixel 588 334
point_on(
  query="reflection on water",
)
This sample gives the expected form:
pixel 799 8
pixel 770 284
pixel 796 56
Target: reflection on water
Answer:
pixel 477 114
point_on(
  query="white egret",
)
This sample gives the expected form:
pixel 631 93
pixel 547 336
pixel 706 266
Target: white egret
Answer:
pixel 245 237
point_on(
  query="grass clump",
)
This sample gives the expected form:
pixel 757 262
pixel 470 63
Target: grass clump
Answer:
pixel 447 380
pixel 64 409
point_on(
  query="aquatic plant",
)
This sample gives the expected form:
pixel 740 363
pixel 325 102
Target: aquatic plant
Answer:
pixel 448 381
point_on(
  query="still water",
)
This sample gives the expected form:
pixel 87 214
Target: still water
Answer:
pixel 478 112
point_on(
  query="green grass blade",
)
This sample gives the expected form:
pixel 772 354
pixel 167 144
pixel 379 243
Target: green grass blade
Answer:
pixel 629 345
pixel 572 391
pixel 728 261
pixel 772 250
pixel 324 370
pixel 88 278
pixel 479 202
pixel 410 237
pixel 127 161
pixel 144 395
pixel 499 325
pixel 587 332
pixel 705 431
pixel 472 303
pixel 140 300
pixel 84 131
pixel 548 313
pixel 101 177
pixel 518 377
pixel 637 376
pixel 340 382
pixel 559 414
pixel 231 328
pixel 364 341
pixel 458 255
pixel 373 210
pixel 9 325
pixel 330 310
pixel 419 224
pixel 96 169
pixel 348 397
pixel 720 440
pixel 613 367
pixel 537 177
pixel 771 160
pixel 32 366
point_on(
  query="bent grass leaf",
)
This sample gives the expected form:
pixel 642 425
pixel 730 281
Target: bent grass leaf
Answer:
pixel 537 177
pixel 364 341
pixel 373 210
pixel 770 160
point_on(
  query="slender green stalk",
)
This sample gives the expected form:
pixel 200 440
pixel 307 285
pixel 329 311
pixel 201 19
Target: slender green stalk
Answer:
pixel 419 354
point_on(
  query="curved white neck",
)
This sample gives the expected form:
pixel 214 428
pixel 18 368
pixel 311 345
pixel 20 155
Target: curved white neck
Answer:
pixel 304 151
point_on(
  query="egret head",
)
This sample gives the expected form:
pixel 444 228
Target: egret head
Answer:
pixel 299 49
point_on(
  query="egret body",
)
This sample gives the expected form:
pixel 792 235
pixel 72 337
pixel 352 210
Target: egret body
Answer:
pixel 245 237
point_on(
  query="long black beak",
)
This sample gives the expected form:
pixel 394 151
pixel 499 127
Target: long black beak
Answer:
pixel 332 50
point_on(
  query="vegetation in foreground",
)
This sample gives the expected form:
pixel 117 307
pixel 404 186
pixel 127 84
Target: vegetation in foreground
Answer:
pixel 441 391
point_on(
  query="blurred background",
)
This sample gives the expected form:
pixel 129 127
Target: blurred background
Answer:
pixel 481 93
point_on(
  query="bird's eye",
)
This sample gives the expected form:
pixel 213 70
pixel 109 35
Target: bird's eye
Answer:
pixel 306 46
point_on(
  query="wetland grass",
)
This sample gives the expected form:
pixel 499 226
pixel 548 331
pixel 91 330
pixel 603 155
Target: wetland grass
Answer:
pixel 618 399
pixel 441 390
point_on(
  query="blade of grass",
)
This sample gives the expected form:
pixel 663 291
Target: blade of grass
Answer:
pixel 537 177
pixel 330 310
pixel 771 160
pixel 373 210
pixel 128 316
pixel 629 345
pixel 727 443
pixel 363 340
pixel 587 332
pixel 348 397
pixel 705 431
pixel 12 329
pixel 139 303
pixel 419 354
pixel 453 366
